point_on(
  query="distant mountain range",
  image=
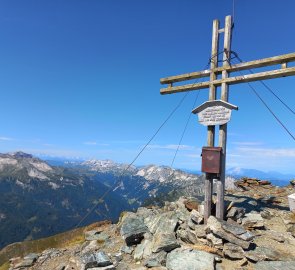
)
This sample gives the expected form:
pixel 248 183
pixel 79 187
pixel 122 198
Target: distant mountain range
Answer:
pixel 39 199
pixel 275 177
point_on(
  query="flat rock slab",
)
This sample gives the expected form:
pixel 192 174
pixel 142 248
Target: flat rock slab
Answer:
pixel 98 259
pixel 180 259
pixel 237 230
pixel 233 251
pixel 275 265
pixel 25 263
pixel 164 241
pixel 262 254
pixel 215 226
pixel 133 229
pixel 252 220
pixel 165 222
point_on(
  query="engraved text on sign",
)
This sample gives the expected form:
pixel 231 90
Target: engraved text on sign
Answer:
pixel 215 115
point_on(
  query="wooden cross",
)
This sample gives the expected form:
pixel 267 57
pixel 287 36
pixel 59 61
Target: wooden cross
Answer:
pixel 224 82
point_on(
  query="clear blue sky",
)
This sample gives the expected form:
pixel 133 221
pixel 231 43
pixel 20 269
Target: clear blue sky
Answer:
pixel 81 79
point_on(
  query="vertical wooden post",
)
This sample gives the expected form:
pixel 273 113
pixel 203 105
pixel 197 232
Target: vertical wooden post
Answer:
pixel 211 129
pixel 223 128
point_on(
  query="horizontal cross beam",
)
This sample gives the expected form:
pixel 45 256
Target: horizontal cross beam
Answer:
pixel 284 72
pixel 281 59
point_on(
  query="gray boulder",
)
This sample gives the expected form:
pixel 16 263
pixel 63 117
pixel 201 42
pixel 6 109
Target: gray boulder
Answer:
pixel 165 222
pixel 133 230
pixel 215 226
pixel 262 254
pixel 180 259
pixel 143 250
pixel 164 241
pixel 187 236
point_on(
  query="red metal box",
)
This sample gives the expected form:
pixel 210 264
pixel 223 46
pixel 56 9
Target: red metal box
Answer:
pixel 211 158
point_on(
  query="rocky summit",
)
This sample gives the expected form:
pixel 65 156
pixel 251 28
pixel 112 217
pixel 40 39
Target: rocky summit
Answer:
pixel 258 233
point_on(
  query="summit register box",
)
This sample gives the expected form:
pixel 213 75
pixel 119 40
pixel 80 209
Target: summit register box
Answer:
pixel 211 158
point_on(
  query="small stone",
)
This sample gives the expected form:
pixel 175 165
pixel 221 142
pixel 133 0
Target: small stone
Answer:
pixel 235 213
pixel 187 236
pixel 254 203
pixel 157 259
pixel 182 214
pixel 196 217
pixel 91 235
pixel 216 242
pixel 217 259
pixel 247 236
pixel 127 249
pixel 266 214
pixel 118 257
pixel 24 263
pixel 291 229
pixel 102 237
pixel 233 251
pixel 62 267
pixel 31 256
pixel 201 209
pixel 277 236
pixel 191 205
pixel 191 224
pixel 200 231
pixel 262 253
pixel 98 259
pixel 268 199
pixel 253 221
pixel 242 262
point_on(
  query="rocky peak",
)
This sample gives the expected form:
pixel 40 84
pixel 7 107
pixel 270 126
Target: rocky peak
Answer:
pixel 23 166
pixel 153 172
pixel 106 166
pixel 254 235
pixel 20 154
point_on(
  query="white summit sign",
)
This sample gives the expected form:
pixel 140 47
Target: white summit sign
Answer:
pixel 216 112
